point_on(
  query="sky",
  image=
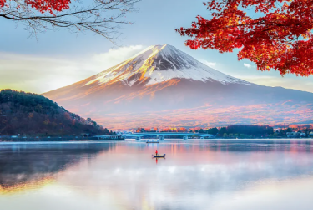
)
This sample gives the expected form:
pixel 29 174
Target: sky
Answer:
pixel 58 58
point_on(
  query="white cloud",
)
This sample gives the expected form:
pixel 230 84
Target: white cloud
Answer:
pixel 35 73
pixel 296 83
pixel 247 65
pixel 210 64
pixel 116 56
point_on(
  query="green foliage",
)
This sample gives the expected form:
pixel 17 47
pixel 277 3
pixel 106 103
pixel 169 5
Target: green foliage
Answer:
pixel 222 131
pixel 244 131
pixel 288 130
pixel 213 131
pixel 32 114
pixel 250 129
pixel 201 131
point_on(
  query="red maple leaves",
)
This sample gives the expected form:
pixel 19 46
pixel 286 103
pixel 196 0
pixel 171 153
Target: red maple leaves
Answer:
pixel 279 38
pixel 49 5
pixel 43 5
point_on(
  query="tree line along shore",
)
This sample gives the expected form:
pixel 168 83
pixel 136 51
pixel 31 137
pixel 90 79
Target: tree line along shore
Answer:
pixel 27 114
pixel 246 131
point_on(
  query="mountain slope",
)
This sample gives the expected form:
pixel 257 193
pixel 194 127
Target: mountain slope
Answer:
pixel 162 86
pixel 31 114
pixel 157 64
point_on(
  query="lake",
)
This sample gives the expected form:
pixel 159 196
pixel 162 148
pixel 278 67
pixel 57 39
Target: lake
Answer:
pixel 196 174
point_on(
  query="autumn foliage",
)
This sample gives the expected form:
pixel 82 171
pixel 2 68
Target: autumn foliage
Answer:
pixel 42 5
pixel 275 34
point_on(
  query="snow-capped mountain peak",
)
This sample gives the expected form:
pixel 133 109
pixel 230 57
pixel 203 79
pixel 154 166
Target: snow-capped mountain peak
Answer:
pixel 163 86
pixel 159 63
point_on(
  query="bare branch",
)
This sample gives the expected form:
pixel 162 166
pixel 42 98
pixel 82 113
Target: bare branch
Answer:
pixel 102 17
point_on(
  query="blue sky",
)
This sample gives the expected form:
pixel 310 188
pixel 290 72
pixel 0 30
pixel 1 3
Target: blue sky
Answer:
pixel 59 58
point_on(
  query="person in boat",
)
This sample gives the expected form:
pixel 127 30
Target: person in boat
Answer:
pixel 156 153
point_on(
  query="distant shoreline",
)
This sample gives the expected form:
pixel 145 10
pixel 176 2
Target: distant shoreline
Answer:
pixel 51 139
pixel 143 140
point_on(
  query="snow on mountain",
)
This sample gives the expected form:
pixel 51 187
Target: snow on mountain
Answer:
pixel 160 63
pixel 162 86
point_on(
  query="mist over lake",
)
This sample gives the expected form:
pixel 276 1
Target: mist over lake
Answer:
pixel 196 174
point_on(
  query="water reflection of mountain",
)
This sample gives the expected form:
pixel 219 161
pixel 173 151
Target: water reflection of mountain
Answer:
pixel 25 163
pixel 193 176
pixel 186 181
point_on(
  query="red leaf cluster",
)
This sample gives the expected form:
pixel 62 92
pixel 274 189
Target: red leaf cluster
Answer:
pixel 44 5
pixel 279 39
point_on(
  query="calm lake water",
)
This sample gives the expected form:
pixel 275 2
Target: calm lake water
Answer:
pixel 196 174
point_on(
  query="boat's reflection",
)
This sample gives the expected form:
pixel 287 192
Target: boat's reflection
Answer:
pixel 157 159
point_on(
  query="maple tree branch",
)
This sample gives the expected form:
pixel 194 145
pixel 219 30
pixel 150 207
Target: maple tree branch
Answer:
pixel 103 17
pixel 282 39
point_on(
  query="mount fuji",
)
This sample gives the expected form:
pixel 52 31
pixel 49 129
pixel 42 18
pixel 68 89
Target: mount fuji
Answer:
pixel 161 63
pixel 163 86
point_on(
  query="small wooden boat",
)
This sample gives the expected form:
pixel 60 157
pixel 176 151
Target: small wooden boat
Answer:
pixel 158 156
pixel 152 141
